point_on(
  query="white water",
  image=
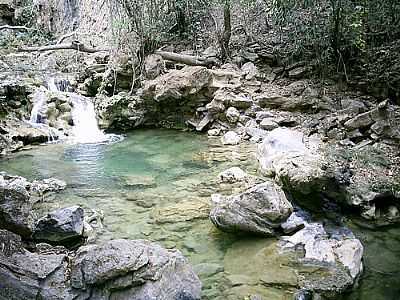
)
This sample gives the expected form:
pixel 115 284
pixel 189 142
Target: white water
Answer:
pixel 85 129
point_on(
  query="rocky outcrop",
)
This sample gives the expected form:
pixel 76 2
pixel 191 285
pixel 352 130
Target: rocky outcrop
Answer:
pixel 138 270
pixel 317 174
pixel 120 111
pixel 259 210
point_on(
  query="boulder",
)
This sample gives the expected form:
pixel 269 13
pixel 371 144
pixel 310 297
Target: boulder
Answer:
pixel 177 84
pixel 138 270
pixel 120 111
pixel 232 175
pixel 230 138
pixel 249 71
pixel 232 115
pixel 48 185
pixel 60 226
pixel 118 269
pixel 318 246
pixel 15 206
pixel 258 210
pixel 232 98
pixel 268 124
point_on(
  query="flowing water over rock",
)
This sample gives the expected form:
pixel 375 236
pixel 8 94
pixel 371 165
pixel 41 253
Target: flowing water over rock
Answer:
pixel 156 184
pixel 84 129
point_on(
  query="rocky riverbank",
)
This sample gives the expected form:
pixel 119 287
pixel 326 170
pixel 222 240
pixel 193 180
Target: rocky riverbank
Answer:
pixel 323 156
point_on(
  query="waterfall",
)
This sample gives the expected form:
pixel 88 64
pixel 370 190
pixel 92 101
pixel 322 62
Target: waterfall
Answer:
pixel 39 107
pixel 85 129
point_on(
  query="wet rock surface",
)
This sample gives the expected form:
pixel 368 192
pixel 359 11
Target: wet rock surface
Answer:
pixel 259 210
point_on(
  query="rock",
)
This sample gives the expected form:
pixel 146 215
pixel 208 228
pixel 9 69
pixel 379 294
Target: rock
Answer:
pixel 206 121
pixel 249 71
pixel 271 99
pixel 139 181
pixel 120 269
pixel 153 66
pixel 15 206
pixel 279 143
pixel 210 52
pixel 120 111
pixel 138 270
pixel 177 84
pixel 268 124
pixel 214 132
pixel 232 115
pixel 366 119
pixel 230 138
pixel 259 210
pixel 349 253
pixel 48 185
pixel 260 115
pixel 232 175
pixel 231 98
pixel 294 223
pixel 345 250
pixel 60 226
pixel 215 106
pixel 180 212
pixel 298 72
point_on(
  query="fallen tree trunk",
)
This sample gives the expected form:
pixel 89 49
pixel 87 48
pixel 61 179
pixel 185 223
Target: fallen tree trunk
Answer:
pixel 9 27
pixel 70 46
pixel 187 59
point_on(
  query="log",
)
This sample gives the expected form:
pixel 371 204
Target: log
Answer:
pixel 187 59
pixel 78 46
pixel 9 27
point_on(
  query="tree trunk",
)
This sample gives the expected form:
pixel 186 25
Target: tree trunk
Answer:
pixel 186 59
pixel 226 35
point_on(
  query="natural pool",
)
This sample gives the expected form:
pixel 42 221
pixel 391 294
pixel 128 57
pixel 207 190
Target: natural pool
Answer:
pixel 156 184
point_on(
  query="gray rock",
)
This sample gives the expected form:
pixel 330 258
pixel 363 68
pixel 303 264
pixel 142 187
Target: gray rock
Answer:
pixel 118 269
pixel 153 66
pixel 249 71
pixel 294 223
pixel 268 124
pixel 232 175
pixel 259 210
pixel 230 138
pixel 15 206
pixel 48 185
pixel 61 225
pixel 138 270
pixel 232 115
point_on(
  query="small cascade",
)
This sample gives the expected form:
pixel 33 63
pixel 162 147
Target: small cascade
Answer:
pixel 85 129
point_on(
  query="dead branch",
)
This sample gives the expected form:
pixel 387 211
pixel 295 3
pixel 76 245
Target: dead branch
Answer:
pixel 187 59
pixel 9 27
pixel 65 36
pixel 78 46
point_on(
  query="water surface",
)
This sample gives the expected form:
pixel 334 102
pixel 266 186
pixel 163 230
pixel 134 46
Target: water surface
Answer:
pixel 156 184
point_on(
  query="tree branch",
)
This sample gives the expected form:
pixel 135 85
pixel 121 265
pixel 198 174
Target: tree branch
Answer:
pixel 186 59
pixel 70 46
pixel 9 27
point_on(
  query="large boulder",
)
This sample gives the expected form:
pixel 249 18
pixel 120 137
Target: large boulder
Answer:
pixel 230 138
pixel 259 210
pixel 138 270
pixel 118 269
pixel 177 84
pixel 61 226
pixel 15 206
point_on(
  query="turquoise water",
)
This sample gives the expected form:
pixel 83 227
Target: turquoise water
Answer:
pixel 156 184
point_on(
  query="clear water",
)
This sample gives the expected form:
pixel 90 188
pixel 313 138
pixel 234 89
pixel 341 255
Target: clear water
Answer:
pixel 156 184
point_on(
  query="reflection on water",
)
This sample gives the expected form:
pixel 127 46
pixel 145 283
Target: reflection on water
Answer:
pixel 140 184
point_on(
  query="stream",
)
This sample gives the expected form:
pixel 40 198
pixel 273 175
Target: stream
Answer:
pixel 156 185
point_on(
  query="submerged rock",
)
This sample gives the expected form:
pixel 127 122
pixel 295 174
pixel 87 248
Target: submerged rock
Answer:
pixel 230 138
pixel 60 226
pixel 259 210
